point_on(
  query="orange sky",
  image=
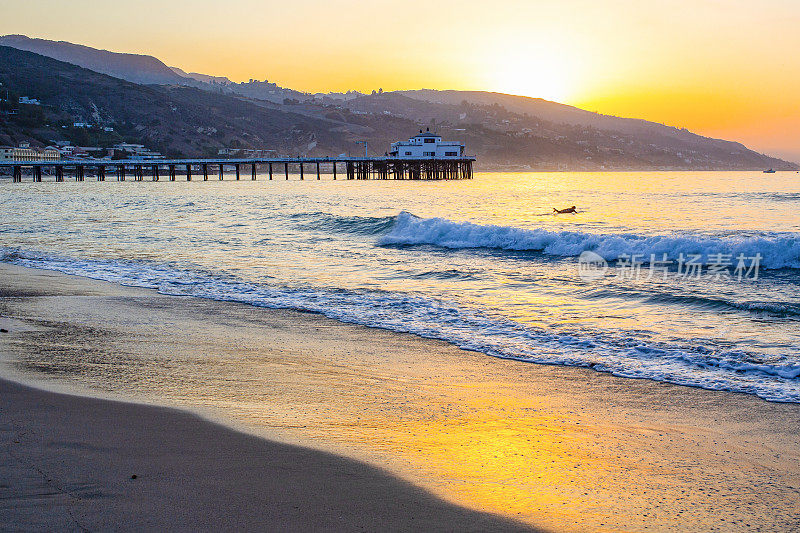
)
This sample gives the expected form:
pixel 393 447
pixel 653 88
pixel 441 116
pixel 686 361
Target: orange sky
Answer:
pixel 726 68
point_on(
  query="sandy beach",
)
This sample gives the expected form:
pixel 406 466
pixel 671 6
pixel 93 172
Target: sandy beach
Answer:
pixel 82 464
pixel 351 428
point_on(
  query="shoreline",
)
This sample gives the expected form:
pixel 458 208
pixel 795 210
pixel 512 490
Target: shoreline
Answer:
pixel 556 447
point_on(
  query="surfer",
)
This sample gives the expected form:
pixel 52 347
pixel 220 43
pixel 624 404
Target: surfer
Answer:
pixel 565 211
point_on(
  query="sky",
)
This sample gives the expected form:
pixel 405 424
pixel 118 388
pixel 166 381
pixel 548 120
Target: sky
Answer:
pixel 722 68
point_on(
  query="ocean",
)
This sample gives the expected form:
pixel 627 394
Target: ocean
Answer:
pixel 690 278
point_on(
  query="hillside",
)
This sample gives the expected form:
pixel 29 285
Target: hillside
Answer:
pixel 559 113
pixel 205 78
pixel 132 67
pixel 175 120
pixel 564 135
pixel 181 120
pixel 145 70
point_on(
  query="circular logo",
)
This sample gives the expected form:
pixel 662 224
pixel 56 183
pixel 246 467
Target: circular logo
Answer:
pixel 591 266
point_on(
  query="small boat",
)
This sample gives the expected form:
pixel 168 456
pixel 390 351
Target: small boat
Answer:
pixel 770 171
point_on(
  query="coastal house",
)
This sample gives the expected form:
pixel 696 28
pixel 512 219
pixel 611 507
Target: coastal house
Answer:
pixel 137 151
pixel 25 153
pixel 427 145
pixel 24 100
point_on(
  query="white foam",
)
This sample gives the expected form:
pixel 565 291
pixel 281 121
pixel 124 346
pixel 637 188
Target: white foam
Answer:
pixel 776 380
pixel 781 251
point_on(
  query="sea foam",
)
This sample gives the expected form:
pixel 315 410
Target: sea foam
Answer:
pixel 771 378
pixel 777 251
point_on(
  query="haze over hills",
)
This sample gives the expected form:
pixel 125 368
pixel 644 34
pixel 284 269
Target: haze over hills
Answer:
pixel 546 110
pixel 205 78
pixel 212 112
pixel 131 67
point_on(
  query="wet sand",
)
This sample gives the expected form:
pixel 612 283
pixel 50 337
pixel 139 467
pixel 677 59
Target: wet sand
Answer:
pixel 83 464
pixel 558 448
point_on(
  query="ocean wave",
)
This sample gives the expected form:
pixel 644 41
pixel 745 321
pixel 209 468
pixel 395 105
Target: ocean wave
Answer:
pixel 687 363
pixel 328 222
pixel 779 251
pixel 756 307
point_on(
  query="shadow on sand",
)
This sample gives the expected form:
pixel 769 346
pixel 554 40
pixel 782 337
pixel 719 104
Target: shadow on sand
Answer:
pixel 71 461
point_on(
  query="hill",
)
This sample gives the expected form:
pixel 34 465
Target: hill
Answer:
pixel 146 70
pixel 132 67
pixel 563 135
pixel 557 113
pixel 181 120
pixel 176 120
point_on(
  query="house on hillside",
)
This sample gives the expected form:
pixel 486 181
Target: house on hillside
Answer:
pixel 136 151
pixel 29 101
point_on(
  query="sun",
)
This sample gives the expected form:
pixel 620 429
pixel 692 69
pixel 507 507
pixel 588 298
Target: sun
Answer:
pixel 532 72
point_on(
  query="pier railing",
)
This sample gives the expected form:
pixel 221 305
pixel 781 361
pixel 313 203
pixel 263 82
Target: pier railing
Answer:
pixel 351 168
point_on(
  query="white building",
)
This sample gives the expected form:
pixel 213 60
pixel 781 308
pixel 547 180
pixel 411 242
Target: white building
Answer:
pixel 50 153
pixel 426 145
pixel 29 101
pixel 26 153
pixel 137 151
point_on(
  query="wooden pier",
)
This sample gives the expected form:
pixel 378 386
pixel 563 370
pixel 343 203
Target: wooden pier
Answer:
pixel 351 168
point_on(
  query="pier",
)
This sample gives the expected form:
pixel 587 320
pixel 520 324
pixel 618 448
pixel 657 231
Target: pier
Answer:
pixel 350 168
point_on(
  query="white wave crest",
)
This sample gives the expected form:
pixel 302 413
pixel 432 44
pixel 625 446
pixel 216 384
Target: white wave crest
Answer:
pixel 781 251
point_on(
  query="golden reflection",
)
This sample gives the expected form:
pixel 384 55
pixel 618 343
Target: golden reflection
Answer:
pixel 508 454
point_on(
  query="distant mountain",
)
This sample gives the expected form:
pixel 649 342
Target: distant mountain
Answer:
pixel 131 67
pixel 146 70
pixel 537 107
pixel 175 120
pixel 566 114
pixel 505 132
pixel 260 90
pixel 563 136
pixel 205 78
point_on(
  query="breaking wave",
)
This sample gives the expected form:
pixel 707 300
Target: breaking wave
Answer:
pixel 777 251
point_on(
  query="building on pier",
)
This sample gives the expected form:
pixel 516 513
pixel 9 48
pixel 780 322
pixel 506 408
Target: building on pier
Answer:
pixel 427 145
